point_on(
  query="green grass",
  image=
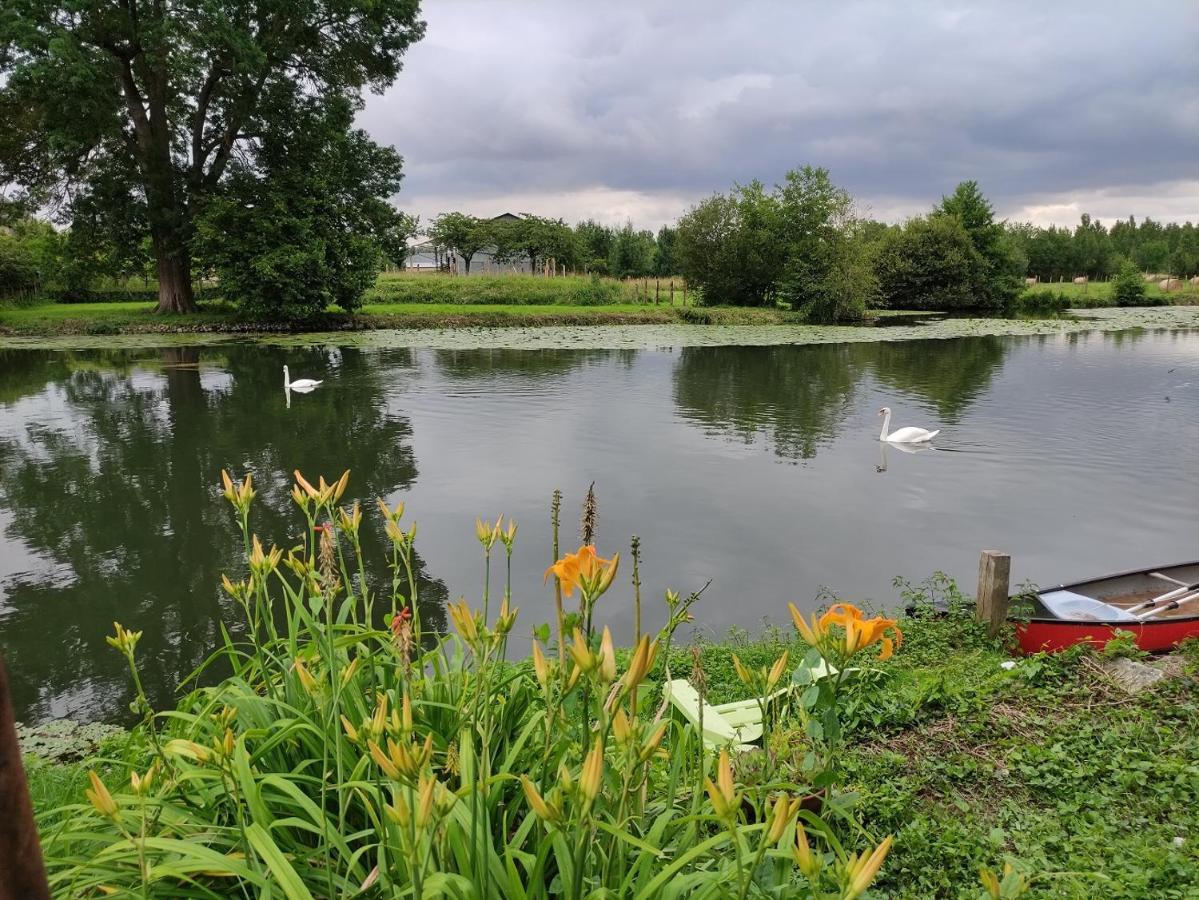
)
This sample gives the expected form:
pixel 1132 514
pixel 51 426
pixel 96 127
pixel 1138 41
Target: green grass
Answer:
pixel 1103 289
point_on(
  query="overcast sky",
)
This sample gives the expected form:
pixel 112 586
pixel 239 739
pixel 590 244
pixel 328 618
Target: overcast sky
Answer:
pixel 636 110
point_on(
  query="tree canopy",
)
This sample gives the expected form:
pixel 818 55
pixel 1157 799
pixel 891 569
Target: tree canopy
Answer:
pixel 165 106
pixel 799 243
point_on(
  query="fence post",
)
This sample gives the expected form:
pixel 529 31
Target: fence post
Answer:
pixel 684 293
pixel 994 591
pixel 657 289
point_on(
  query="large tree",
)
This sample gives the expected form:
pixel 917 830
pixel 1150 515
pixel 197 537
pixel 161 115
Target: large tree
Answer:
pixel 152 100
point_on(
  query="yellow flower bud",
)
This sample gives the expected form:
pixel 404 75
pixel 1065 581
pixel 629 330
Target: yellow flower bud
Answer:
pixel 741 671
pixel 652 742
pixel 544 811
pixel 776 671
pixel 621 729
pixel 351 731
pixel 350 671
pixel 383 761
pixel 398 811
pixel 190 749
pixel 540 667
pixel 306 679
pixel 406 718
pixel 863 872
pixel 340 487
pixel 582 654
pixel 808 863
pixel 784 809
pixel 424 806
pixel 100 798
pixel 607 666
pixel 722 793
pixel 591 776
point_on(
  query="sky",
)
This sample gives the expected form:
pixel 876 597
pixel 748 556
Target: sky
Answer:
pixel 637 110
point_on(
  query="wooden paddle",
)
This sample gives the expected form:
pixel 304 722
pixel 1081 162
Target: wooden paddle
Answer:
pixel 1169 606
pixel 22 874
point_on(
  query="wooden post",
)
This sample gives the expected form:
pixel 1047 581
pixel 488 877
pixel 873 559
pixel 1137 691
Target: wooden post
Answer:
pixel 994 578
pixel 672 292
pixel 684 293
pixel 657 290
pixel 22 874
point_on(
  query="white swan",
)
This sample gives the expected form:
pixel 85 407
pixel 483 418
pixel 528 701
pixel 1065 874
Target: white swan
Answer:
pixel 300 384
pixel 907 435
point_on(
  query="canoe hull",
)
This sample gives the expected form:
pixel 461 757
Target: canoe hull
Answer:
pixel 1053 635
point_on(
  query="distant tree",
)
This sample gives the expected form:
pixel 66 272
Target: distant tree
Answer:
pixel 464 234
pixel 826 273
pixel 633 253
pixel 306 224
pixel 1000 274
pixel 594 242
pixel 534 238
pixel 930 263
pixel 166 105
pixel 664 259
pixel 1128 287
pixel 730 247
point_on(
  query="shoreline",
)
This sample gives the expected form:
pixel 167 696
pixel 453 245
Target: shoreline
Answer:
pixel 585 330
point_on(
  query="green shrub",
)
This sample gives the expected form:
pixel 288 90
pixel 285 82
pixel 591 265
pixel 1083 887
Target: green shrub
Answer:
pixel 1128 287
pixel 596 292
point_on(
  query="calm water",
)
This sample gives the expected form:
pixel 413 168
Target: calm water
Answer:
pixel 757 468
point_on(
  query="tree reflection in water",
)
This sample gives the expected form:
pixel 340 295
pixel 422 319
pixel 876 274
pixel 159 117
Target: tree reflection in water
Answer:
pixel 797 398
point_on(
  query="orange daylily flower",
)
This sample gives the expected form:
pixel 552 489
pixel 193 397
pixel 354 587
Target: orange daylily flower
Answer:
pixel 861 633
pixel 584 569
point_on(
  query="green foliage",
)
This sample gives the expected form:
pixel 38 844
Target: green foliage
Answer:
pixel 633 253
pixel 351 750
pixel 1128 287
pixel 798 244
pixel 508 290
pixel 930 263
pixel 463 234
pixel 133 117
pixel 1042 301
pixel 306 226
pixel 1091 249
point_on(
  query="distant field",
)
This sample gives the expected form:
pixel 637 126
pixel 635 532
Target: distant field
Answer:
pixel 524 290
pixel 1188 294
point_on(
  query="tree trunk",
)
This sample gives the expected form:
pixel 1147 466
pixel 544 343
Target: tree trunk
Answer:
pixel 466 263
pixel 174 276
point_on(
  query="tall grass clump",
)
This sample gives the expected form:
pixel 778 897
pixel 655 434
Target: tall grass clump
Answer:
pixel 351 751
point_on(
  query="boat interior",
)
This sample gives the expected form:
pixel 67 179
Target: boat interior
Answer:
pixel 1130 591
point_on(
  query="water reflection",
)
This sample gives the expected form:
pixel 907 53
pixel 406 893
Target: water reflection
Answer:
pixel 111 499
pixel 795 398
pixel 950 374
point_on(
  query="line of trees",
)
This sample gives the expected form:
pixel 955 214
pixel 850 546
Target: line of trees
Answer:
pixel 1096 251
pixel 589 247
pixel 802 245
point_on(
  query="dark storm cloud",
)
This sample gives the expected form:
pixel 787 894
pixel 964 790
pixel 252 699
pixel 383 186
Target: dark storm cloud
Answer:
pixel 640 108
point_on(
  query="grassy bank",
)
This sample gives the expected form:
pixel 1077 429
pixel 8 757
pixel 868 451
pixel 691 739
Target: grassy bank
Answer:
pixel 1048 766
pixel 129 317
pixel 1100 292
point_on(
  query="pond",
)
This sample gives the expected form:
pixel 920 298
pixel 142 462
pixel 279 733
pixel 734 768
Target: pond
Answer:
pixel 756 468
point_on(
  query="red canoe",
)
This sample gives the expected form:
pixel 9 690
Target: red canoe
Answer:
pixel 1177 620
